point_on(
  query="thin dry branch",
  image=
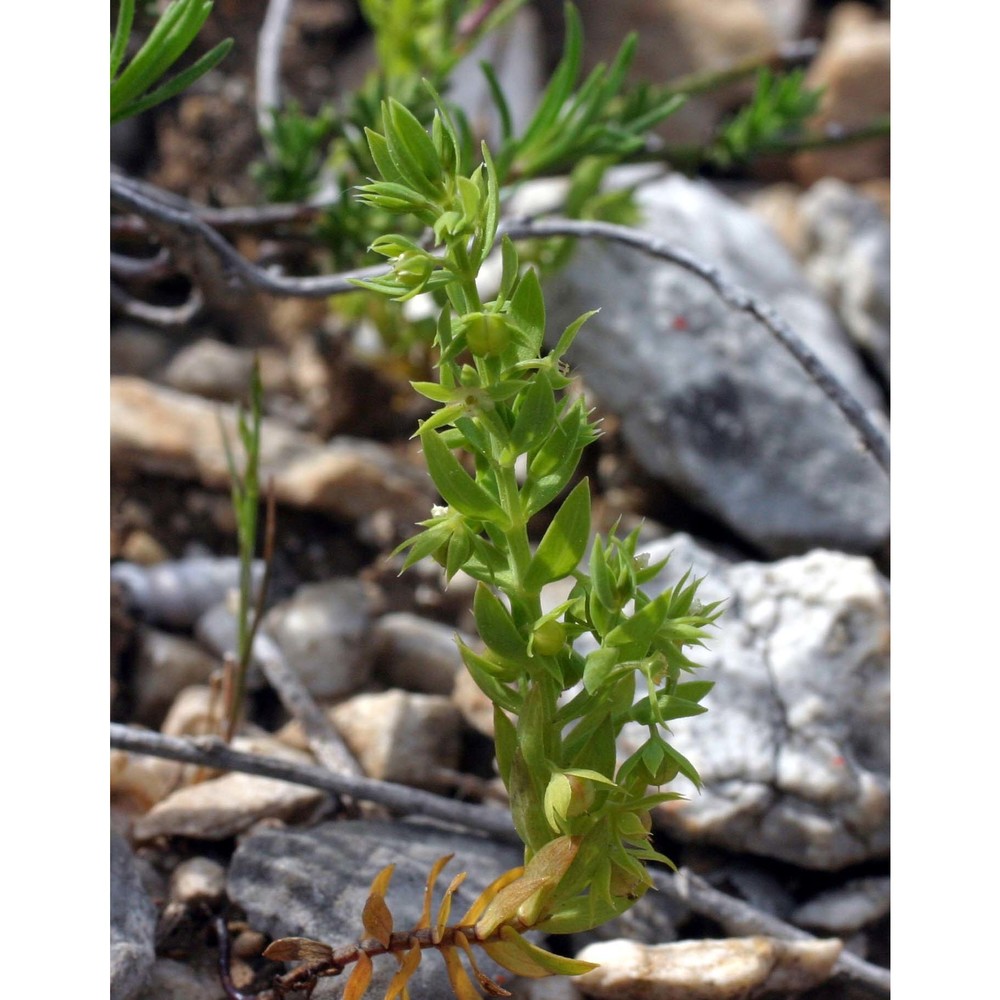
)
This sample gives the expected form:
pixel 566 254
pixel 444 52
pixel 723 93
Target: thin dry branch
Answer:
pixel 737 298
pixel 164 316
pixel 212 752
pixel 144 200
pixel 738 917
pixel 324 740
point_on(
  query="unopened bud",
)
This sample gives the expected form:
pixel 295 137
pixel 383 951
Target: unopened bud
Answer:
pixel 549 638
pixel 487 334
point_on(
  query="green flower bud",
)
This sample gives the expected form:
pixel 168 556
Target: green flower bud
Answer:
pixel 413 268
pixel 549 638
pixel 487 334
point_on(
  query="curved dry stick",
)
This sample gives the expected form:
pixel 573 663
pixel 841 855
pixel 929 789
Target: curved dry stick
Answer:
pixel 164 316
pixel 272 34
pixel 140 200
pixel 737 917
pixel 212 752
pixel 737 298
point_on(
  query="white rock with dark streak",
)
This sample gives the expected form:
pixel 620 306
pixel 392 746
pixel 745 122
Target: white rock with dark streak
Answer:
pixel 723 969
pixel 324 632
pixel 709 401
pixel 794 748
pixel 401 737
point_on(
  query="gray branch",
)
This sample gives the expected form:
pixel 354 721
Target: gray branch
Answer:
pixel 145 200
pixel 212 752
pixel 739 299
pixel 740 918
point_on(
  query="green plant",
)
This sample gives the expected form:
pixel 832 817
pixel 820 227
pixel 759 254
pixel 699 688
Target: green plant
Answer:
pixel 503 446
pixel 579 128
pixel 245 492
pixel 175 30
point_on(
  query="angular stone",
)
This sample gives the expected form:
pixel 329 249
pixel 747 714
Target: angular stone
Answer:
pixel 401 737
pixel 709 401
pixel 166 664
pixel 724 969
pixel 415 653
pixel 323 630
pixel 165 432
pixel 846 909
pixel 225 806
pixel 853 69
pixel 314 883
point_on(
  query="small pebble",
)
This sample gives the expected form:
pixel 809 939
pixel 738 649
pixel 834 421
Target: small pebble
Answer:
pixel 198 880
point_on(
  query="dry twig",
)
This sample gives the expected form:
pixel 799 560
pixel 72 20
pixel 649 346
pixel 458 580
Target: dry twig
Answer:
pixel 212 752
pixel 737 298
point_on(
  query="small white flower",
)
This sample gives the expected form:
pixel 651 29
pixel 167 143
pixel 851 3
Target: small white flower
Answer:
pixel 437 511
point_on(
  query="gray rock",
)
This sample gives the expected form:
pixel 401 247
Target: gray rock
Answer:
pixel 794 750
pixel 846 909
pixel 314 883
pixel 415 653
pixel 165 665
pixel 401 737
pixel 847 248
pixel 133 924
pixel 177 593
pixel 173 980
pixel 709 401
pixel 213 369
pixel 324 632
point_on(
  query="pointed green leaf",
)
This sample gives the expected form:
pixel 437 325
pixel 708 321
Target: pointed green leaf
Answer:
pixel 527 311
pixel 495 625
pixel 564 542
pixel 457 487
pixel 534 418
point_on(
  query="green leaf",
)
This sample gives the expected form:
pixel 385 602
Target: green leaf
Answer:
pixel 495 625
pixel 686 767
pixel 505 739
pixel 459 490
pixel 379 149
pixel 569 334
pixel 414 138
pixel 564 542
pixel 598 668
pixel 489 680
pixel 667 707
pixel 694 690
pixel 527 312
pixel 123 29
pixel 535 418
pixel 637 632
